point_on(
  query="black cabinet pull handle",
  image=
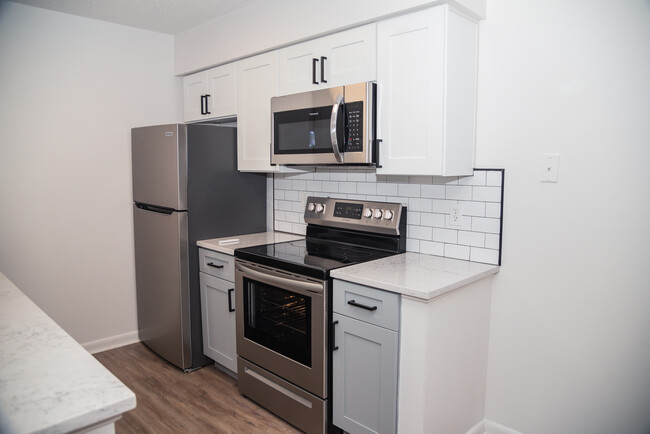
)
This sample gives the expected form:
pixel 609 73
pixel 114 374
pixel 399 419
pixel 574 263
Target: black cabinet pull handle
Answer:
pixel 230 308
pixel 322 69
pixel 314 61
pixel 362 306
pixel 212 264
pixel 334 347
pixel 207 105
pixel 202 104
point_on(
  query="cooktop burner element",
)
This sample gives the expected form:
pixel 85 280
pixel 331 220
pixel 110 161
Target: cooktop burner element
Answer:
pixel 340 232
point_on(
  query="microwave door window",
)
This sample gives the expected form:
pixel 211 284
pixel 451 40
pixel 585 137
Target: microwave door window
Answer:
pixel 303 131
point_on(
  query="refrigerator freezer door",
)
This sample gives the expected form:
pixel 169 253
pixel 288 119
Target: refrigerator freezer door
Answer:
pixel 161 260
pixel 159 162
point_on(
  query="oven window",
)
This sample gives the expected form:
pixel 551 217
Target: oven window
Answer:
pixel 278 319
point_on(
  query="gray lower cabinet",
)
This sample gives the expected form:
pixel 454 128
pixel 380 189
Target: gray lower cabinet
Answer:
pixel 218 315
pixel 365 365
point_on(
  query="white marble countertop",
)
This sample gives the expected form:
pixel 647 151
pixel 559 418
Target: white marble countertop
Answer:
pixel 415 275
pixel 48 382
pixel 228 245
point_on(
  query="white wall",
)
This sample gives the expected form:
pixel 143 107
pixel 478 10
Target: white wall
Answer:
pixel 570 333
pixel 70 90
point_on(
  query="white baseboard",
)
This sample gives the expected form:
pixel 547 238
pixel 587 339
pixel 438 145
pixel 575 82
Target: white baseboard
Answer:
pixel 488 427
pixel 479 428
pixel 111 342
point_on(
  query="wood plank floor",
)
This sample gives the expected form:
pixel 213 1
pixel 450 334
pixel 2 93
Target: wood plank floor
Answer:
pixel 170 401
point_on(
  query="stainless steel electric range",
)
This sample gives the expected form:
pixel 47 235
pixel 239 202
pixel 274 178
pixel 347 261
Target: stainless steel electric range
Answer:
pixel 284 304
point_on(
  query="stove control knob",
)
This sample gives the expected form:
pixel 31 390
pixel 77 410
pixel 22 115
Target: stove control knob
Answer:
pixel 377 214
pixel 367 213
pixel 388 214
pixel 319 207
pixel 311 207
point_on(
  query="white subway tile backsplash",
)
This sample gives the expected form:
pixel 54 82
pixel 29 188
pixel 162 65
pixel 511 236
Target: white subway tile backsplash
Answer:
pixel 434 191
pixel 493 178
pixel 475 209
pixel 428 200
pixel 413 218
pixel 475 239
pixel 348 187
pixel 315 185
pixel 493 210
pixel 357 175
pixel 330 186
pixel 457 252
pixel 321 176
pixel 420 204
pixel 477 179
pixel 487 256
pixel 432 248
pixel 408 190
pixel 291 195
pixel 418 232
pixel 442 206
pixel 432 219
pixel 445 235
pixel 387 188
pixel 486 194
pixel 459 192
pixel 492 241
pixel 487 225
pixel 366 188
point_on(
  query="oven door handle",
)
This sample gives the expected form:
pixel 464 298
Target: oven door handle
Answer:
pixel 283 282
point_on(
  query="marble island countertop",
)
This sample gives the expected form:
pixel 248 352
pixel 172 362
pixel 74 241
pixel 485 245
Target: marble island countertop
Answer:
pixel 415 275
pixel 48 382
pixel 228 245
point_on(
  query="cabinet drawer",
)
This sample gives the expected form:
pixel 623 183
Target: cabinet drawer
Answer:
pixel 217 264
pixel 367 304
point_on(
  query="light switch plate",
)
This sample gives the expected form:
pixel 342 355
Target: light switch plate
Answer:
pixel 550 168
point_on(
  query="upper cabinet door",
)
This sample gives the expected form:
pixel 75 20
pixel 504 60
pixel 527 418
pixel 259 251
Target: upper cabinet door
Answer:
pixel 210 94
pixel 194 90
pixel 222 91
pixel 426 74
pixel 299 67
pixel 257 82
pixel 342 58
pixel 350 57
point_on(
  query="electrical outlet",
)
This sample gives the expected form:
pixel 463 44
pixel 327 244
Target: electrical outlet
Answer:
pixel 455 215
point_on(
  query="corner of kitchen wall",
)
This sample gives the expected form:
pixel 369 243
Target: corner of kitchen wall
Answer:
pixel 428 199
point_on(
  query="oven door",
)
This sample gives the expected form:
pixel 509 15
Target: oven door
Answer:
pixel 281 324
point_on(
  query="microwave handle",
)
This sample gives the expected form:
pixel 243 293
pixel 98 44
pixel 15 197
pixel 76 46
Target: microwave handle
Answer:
pixel 333 135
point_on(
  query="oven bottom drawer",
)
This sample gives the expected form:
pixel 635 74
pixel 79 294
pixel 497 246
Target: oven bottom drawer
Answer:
pixel 296 406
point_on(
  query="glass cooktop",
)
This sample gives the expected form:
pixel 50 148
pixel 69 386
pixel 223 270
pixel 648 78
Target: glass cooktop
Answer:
pixel 314 258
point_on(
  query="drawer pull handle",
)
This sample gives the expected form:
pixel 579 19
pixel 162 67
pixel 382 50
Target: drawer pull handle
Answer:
pixel 230 308
pixel 362 306
pixel 212 264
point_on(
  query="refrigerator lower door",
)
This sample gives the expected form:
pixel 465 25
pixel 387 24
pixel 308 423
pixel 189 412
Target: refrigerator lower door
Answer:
pixel 162 283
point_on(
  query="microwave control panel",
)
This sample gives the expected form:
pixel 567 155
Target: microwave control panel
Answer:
pixel 354 117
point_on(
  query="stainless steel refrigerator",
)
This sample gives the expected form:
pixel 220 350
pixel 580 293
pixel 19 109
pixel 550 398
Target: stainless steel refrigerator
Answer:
pixel 186 187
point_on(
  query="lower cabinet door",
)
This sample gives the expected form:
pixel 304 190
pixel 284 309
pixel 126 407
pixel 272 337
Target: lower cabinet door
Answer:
pixel 218 317
pixel 364 377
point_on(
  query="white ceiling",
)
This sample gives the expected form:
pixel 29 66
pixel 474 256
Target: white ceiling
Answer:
pixel 164 16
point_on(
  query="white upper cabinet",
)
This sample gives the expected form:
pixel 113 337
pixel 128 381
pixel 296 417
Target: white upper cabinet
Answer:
pixel 341 58
pixel 210 94
pixel 257 82
pixel 426 74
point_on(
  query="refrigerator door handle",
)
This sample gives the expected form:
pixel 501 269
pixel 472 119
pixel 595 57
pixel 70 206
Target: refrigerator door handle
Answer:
pixel 156 209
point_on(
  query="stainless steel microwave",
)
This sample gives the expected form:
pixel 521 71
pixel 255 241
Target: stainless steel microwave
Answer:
pixel 329 126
